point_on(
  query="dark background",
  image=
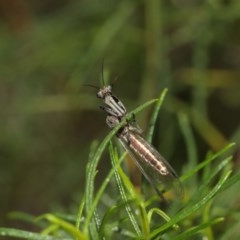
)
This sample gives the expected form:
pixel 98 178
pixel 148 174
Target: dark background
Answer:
pixel 48 118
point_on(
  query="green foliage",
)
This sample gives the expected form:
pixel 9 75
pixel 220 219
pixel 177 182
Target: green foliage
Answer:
pixel 131 216
pixel 50 49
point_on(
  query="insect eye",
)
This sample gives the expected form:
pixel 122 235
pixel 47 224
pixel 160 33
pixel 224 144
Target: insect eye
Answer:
pixel 100 94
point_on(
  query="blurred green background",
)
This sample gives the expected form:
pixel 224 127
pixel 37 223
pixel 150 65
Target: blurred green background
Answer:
pixel 48 118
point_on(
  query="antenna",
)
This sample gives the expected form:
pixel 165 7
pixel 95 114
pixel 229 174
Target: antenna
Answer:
pixel 103 82
pixel 90 85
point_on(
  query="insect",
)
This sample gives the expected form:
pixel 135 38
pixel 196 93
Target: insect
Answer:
pixel 153 166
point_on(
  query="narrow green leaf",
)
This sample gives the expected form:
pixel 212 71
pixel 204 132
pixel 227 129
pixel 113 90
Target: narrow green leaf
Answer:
pixel 11 232
pixel 196 229
pixel 64 225
pixel 89 191
pixel 206 162
pixel 161 214
pixel 80 212
pixel 23 217
pixel 154 116
pixel 189 139
pixel 123 194
pixel 205 184
pixel 191 209
pixel 235 178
